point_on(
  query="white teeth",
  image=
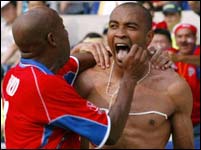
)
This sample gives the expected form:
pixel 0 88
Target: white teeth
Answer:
pixel 121 44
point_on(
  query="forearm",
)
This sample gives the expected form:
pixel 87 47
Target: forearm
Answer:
pixel 190 59
pixel 86 60
pixel 119 111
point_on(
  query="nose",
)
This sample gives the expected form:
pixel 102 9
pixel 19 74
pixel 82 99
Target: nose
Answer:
pixel 120 33
pixel 183 39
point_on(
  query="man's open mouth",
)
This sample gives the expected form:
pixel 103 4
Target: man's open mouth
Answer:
pixel 122 47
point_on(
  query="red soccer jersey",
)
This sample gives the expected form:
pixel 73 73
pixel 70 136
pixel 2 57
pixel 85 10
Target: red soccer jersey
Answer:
pixel 188 71
pixel 43 111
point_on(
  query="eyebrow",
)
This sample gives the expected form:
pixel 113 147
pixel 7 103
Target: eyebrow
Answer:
pixel 126 23
pixel 112 21
pixel 134 23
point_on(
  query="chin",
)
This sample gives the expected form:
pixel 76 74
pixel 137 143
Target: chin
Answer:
pixel 119 63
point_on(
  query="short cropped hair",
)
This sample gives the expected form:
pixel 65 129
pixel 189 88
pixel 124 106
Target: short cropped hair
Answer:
pixel 147 14
pixel 164 32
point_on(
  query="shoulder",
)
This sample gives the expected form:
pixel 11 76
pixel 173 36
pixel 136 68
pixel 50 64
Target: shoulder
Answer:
pixel 88 79
pixel 176 87
pixel 92 74
pixel 41 79
pixel 180 93
pixel 176 84
pixel 165 77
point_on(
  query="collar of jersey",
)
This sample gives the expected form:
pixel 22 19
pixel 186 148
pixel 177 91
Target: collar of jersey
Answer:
pixel 30 62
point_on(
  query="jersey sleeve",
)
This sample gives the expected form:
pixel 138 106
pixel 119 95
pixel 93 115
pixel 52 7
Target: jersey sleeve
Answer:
pixel 69 111
pixel 70 70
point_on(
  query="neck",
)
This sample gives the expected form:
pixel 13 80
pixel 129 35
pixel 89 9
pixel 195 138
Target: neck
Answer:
pixel 53 66
pixel 52 62
pixel 117 72
pixel 147 72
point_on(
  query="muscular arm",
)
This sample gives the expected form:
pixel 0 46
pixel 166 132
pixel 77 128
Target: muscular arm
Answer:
pixel 182 129
pixel 190 59
pixel 86 60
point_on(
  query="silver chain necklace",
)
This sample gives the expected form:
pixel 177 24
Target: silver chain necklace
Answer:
pixel 109 83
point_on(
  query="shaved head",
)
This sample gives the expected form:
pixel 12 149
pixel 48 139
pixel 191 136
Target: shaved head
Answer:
pixel 31 29
pixel 41 35
pixel 141 11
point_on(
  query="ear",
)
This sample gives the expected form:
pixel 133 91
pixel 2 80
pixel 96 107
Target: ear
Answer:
pixel 51 39
pixel 149 37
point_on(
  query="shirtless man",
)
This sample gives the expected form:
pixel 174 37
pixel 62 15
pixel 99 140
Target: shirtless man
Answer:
pixel 162 101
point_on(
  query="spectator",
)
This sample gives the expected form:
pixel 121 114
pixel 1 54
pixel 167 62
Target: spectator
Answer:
pixel 172 16
pixel 185 35
pixel 9 53
pixel 162 40
pixel 193 56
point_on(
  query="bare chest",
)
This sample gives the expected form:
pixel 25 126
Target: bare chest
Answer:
pixel 150 106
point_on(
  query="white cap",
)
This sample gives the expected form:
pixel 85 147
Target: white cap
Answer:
pixel 4 3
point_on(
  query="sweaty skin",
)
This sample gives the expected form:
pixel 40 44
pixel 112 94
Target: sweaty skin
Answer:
pixel 41 37
pixel 162 91
pixel 143 131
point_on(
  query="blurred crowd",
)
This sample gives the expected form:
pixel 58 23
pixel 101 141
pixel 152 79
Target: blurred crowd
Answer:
pixel 176 37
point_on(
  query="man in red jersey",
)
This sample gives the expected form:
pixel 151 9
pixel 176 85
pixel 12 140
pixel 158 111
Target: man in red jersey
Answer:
pixel 187 64
pixel 42 110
